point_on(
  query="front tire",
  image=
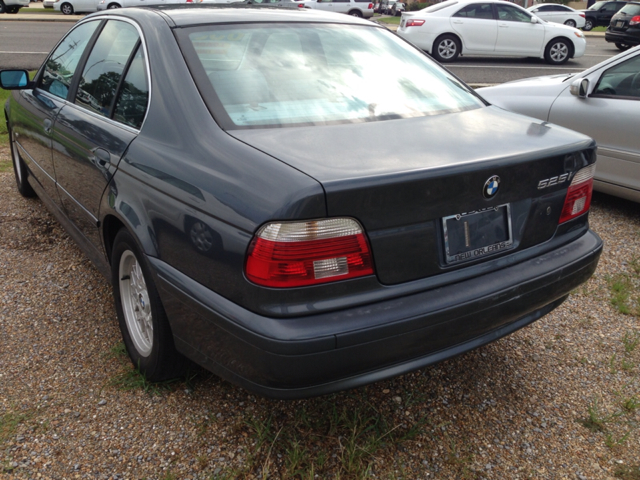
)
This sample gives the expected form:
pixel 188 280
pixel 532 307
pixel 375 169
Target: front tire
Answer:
pixel 3 9
pixel 143 322
pixel 558 51
pixel 20 169
pixel 66 9
pixel 588 25
pixel 622 46
pixel 446 48
pixel 570 23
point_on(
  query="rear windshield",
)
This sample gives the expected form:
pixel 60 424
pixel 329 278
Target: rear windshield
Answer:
pixel 438 6
pixel 631 9
pixel 299 74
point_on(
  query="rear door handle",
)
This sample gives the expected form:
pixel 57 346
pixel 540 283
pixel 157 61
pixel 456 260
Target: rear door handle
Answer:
pixel 47 125
pixel 102 156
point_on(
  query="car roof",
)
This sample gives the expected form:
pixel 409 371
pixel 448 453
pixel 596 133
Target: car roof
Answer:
pixel 182 15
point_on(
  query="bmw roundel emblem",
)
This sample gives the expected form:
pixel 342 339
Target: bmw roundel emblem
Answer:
pixel 491 187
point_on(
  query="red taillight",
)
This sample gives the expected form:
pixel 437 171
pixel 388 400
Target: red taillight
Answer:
pixel 414 23
pixel 295 254
pixel 370 6
pixel 634 21
pixel 301 5
pixel 578 199
pixel 582 15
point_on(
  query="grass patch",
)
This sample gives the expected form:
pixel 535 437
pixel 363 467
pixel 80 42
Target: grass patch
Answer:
pixel 624 294
pixel 320 439
pixel 39 10
pixel 627 472
pixel 9 424
pixel 389 20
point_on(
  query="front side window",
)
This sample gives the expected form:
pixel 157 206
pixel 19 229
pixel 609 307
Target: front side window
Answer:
pixel 596 6
pixel 105 66
pixel 477 10
pixel 265 76
pixel 512 14
pixel 61 65
pixel 623 80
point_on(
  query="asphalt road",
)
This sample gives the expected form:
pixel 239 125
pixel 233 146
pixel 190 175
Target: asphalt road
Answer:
pixel 26 44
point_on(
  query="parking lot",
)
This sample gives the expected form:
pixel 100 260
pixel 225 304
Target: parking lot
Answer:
pixel 558 399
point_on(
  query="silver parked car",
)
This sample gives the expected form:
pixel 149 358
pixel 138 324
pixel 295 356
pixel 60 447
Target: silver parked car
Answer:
pixel 602 102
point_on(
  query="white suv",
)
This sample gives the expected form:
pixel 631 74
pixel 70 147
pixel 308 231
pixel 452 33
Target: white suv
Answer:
pixel 357 8
pixel 12 6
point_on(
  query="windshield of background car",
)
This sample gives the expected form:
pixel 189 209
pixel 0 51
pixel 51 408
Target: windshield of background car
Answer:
pixel 294 74
pixel 596 6
pixel 631 9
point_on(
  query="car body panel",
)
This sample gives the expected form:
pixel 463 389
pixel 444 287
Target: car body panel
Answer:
pixel 549 98
pixel 624 29
pixel 601 12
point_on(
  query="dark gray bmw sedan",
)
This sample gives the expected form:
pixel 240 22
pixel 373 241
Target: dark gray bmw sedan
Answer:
pixel 264 208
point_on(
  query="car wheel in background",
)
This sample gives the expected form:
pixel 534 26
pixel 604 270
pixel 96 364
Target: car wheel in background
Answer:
pixel 588 25
pixel 355 13
pixel 570 23
pixel 12 9
pixel 143 321
pixel 623 46
pixel 20 169
pixel 557 52
pixel 66 9
pixel 446 48
pixel 2 7
pixel 113 5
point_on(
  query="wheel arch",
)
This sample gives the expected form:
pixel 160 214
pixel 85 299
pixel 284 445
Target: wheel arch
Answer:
pixel 572 47
pixel 453 34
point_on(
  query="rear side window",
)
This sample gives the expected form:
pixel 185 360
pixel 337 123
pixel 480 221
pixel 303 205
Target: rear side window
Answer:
pixel 131 105
pixel 477 10
pixel 105 67
pixel 62 63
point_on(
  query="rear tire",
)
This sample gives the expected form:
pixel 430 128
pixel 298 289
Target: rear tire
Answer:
pixel 588 25
pixel 446 48
pixel 570 23
pixel 113 5
pixel 3 9
pixel 20 169
pixel 558 51
pixel 143 321
pixel 355 13
pixel 66 9
pixel 623 46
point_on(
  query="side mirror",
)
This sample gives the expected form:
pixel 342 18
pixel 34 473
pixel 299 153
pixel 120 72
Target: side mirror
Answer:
pixel 580 87
pixel 14 79
pixel 534 20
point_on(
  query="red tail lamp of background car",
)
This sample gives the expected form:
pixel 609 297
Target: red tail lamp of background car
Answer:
pixel 414 23
pixel 295 254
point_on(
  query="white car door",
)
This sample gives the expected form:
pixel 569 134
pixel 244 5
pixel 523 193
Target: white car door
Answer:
pixel 610 114
pixel 517 35
pixel 477 27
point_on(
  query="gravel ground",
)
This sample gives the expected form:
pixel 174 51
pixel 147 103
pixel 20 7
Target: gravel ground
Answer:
pixel 559 399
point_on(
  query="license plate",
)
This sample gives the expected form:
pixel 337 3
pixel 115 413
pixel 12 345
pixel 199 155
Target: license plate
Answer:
pixel 471 235
pixel 620 24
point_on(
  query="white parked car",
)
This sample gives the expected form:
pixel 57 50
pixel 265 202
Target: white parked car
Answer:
pixel 601 102
pixel 12 6
pixel 557 13
pixel 492 27
pixel 48 3
pixel 69 7
pixel 108 4
pixel 357 8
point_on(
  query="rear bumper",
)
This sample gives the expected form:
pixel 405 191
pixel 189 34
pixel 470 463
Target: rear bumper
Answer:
pixel 623 37
pixel 283 358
